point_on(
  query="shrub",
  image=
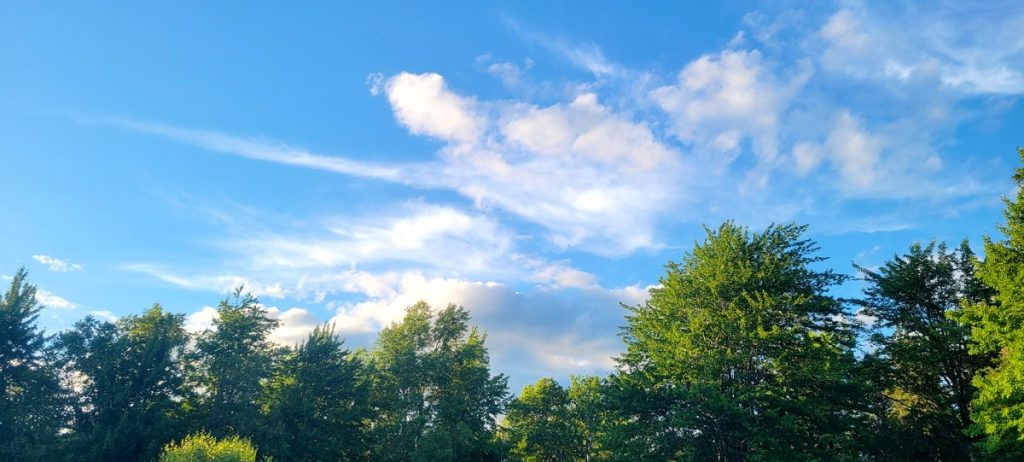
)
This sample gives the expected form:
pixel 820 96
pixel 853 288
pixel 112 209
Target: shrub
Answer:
pixel 201 447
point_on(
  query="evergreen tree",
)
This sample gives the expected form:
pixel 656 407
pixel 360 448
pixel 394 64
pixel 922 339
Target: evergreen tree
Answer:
pixel 997 327
pixel 433 390
pixel 926 367
pixel 29 389
pixel 130 380
pixel 742 354
pixel 232 361
pixel 316 403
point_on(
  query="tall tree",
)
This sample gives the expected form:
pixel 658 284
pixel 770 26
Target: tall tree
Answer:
pixel 316 403
pixel 130 380
pixel 539 425
pixel 997 327
pixel 29 389
pixel 435 396
pixel 232 361
pixel 741 354
pixel 590 414
pixel 928 369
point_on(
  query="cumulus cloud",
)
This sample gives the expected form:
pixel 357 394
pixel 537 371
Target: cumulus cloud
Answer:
pixel 424 105
pixel 201 320
pixel 56 264
pixel 722 99
pixel 532 333
pixel 295 323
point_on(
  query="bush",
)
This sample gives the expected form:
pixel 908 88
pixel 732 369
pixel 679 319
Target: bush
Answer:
pixel 201 447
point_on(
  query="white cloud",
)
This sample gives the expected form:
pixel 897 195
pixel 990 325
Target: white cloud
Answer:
pixel 854 151
pixel 296 324
pixel 586 56
pixel 52 300
pixel 724 98
pixel 200 320
pixel 424 105
pixel 963 47
pixel 417 233
pixel 56 264
pixel 259 148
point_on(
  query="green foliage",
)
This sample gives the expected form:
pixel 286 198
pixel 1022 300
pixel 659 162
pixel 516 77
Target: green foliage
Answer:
pixel 231 362
pixel 433 390
pixel 997 328
pixel 131 380
pixel 201 447
pixel 539 425
pixel 589 413
pixel 29 390
pixel 924 367
pixel 316 403
pixel 741 354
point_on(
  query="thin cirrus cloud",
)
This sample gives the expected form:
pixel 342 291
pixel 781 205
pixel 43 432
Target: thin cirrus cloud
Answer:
pixel 56 264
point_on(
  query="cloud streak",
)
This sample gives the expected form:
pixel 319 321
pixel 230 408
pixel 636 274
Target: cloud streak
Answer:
pixel 56 264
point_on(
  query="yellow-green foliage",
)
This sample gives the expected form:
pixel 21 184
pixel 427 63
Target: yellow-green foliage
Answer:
pixel 201 447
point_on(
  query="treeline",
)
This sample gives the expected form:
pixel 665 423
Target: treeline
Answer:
pixel 741 353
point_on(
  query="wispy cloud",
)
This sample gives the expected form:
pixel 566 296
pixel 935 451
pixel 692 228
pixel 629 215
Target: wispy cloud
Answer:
pixel 586 56
pixel 51 300
pixel 260 149
pixel 56 264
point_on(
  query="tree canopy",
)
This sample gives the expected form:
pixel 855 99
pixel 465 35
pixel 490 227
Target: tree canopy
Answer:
pixel 742 352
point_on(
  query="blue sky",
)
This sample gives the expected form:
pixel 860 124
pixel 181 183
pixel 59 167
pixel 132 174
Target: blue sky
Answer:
pixel 535 163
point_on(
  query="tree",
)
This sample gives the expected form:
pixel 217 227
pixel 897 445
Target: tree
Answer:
pixel 130 380
pixel 433 390
pixel 316 403
pixel 742 354
pixel 997 327
pixel 29 389
pixel 539 425
pixel 201 447
pixel 590 414
pixel 232 362
pixel 927 369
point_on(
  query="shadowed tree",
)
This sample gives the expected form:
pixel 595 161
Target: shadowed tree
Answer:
pixel 232 361
pixel 316 403
pixel 926 367
pixel 129 378
pixel 29 389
